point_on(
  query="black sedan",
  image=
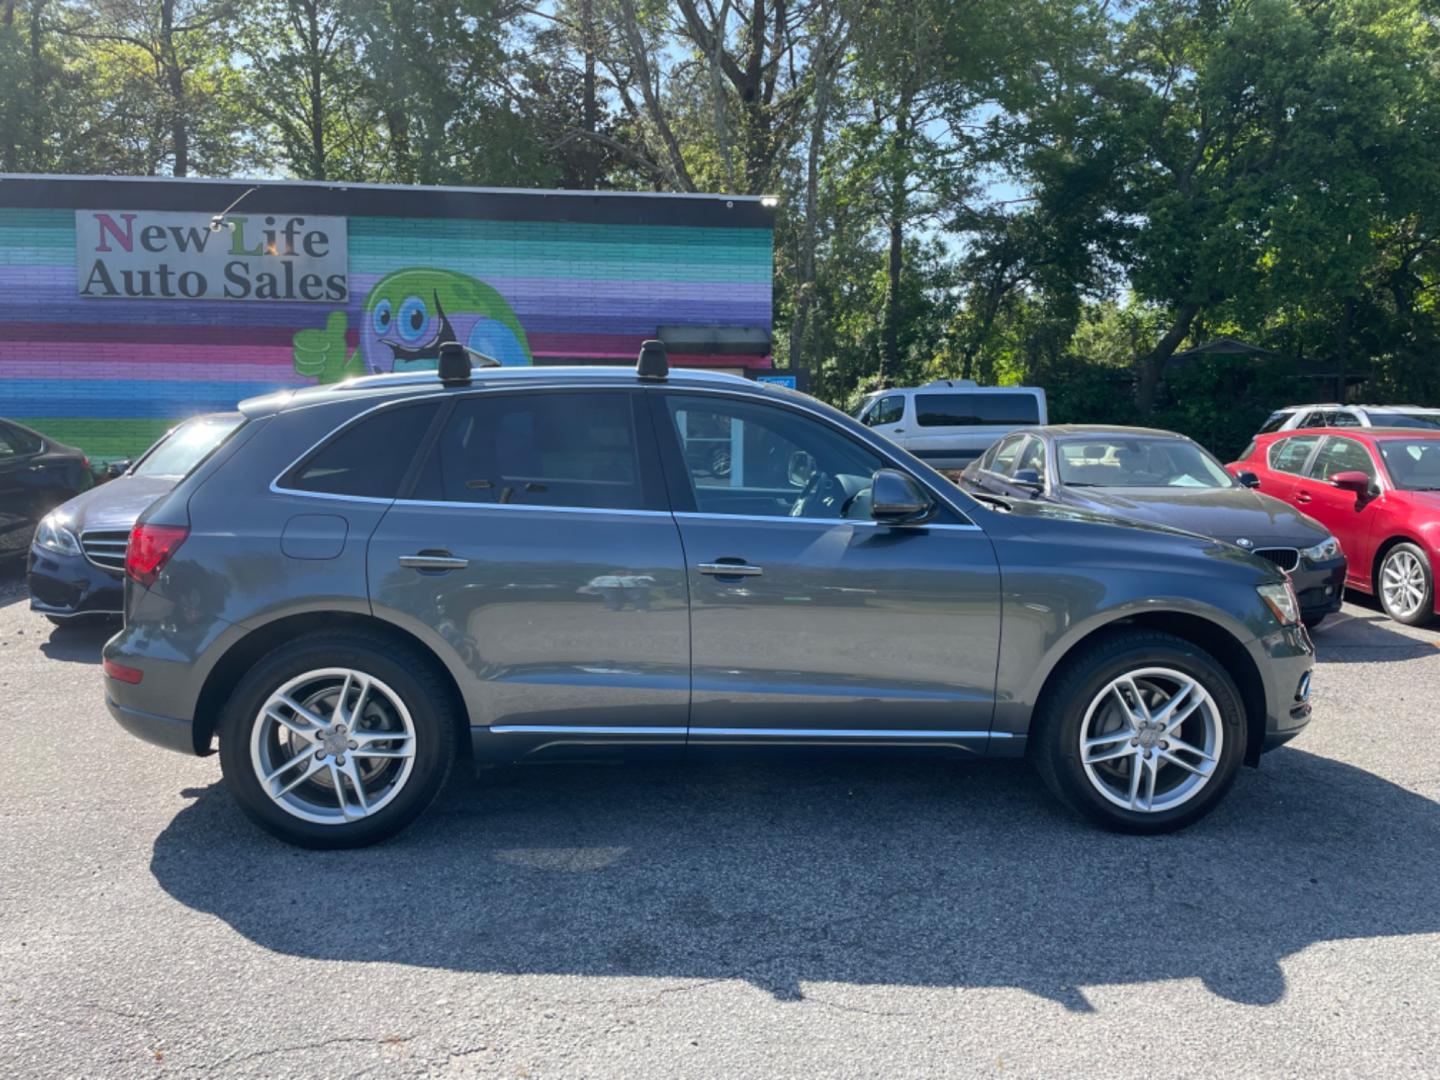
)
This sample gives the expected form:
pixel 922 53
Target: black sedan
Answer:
pixel 1163 478
pixel 36 474
pixel 77 557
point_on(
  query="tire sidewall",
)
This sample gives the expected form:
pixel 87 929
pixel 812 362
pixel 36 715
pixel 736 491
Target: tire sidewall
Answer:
pixel 1425 612
pixel 1063 734
pixel 434 740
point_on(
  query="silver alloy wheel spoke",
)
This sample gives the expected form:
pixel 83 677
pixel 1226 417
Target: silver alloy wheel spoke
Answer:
pixel 1402 583
pixel 329 770
pixel 1129 739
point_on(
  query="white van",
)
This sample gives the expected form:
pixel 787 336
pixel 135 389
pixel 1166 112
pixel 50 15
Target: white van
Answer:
pixel 950 422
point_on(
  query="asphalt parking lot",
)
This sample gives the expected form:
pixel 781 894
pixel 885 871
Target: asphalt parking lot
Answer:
pixel 783 918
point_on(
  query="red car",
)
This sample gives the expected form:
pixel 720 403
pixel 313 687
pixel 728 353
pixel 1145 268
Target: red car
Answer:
pixel 1377 490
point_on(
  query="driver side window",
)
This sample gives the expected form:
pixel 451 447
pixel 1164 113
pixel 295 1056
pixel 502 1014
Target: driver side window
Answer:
pixel 759 460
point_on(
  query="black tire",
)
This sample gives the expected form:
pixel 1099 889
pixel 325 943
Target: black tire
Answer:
pixel 414 678
pixel 1424 613
pixel 1055 733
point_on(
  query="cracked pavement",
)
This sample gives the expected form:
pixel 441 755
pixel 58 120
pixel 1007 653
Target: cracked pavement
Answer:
pixel 781 917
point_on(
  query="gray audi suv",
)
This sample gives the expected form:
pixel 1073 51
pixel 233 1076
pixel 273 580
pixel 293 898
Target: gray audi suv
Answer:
pixel 365 583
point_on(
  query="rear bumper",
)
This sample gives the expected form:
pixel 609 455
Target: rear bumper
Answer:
pixel 164 731
pixel 66 586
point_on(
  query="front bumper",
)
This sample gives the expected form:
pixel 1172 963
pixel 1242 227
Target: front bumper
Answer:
pixel 1285 659
pixel 1319 587
pixel 64 586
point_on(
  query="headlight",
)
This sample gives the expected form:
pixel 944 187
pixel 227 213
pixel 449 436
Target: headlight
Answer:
pixel 1280 599
pixel 1327 549
pixel 53 536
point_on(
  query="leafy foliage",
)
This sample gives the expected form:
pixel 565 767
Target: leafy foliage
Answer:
pixel 1068 194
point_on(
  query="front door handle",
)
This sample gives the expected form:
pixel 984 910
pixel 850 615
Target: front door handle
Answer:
pixel 433 561
pixel 721 569
pixel 1303 497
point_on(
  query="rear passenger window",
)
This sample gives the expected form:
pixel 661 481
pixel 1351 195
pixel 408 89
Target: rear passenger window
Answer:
pixel 1342 418
pixel 540 449
pixel 976 410
pixel 1289 455
pixel 369 458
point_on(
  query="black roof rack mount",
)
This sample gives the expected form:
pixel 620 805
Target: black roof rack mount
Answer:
pixel 456 361
pixel 654 362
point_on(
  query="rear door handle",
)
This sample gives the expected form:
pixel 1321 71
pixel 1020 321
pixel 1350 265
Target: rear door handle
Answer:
pixel 436 561
pixel 720 569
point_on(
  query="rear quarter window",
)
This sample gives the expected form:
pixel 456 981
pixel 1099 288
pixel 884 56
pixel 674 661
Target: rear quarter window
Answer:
pixel 960 409
pixel 370 457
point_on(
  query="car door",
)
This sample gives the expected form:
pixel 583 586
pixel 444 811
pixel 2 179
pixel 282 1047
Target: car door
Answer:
pixel 996 465
pixel 537 543
pixel 1286 460
pixel 14 500
pixel 1349 515
pixel 808 619
pixel 25 487
pixel 887 417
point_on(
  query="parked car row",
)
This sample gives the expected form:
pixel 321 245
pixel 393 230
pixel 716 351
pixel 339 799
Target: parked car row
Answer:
pixel 339 587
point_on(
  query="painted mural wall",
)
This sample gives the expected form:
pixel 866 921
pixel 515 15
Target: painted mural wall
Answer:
pixel 109 373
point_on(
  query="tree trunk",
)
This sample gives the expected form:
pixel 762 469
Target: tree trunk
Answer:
pixel 318 165
pixel 590 104
pixel 1152 364
pixel 895 225
pixel 175 85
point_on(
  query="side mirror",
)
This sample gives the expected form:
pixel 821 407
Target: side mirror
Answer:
pixel 1027 478
pixel 1352 480
pixel 897 499
pixel 1248 479
pixel 117 468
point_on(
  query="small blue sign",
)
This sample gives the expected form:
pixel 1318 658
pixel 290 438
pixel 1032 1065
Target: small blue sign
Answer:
pixel 787 381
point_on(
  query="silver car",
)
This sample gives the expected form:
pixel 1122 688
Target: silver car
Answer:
pixel 367 582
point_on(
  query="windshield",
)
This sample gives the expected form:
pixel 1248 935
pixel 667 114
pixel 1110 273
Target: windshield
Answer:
pixel 1138 462
pixel 1405 419
pixel 1413 464
pixel 179 451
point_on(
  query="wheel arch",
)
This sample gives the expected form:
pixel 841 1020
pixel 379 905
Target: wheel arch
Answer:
pixel 227 672
pixel 1205 633
pixel 1384 548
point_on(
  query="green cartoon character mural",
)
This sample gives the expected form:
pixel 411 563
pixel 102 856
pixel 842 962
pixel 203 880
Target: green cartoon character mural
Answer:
pixel 405 318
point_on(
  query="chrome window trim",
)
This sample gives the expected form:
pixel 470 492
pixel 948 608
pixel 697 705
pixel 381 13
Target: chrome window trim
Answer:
pixel 761 392
pixel 530 506
pixel 695 515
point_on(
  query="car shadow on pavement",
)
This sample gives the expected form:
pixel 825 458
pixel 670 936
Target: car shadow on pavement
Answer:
pixel 1363 633
pixel 79 641
pixel 791 872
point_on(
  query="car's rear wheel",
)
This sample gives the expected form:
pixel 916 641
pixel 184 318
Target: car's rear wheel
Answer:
pixel 1141 732
pixel 1406 585
pixel 337 741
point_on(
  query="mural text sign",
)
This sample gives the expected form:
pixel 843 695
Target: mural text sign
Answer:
pixel 160 255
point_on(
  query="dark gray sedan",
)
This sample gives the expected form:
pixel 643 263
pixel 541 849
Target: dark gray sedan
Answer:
pixel 1162 478
pixel 77 554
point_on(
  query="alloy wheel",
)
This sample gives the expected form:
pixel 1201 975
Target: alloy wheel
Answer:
pixel 1151 739
pixel 1402 581
pixel 332 746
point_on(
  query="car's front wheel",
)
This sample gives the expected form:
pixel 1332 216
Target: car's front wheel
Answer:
pixel 1407 586
pixel 1141 732
pixel 337 741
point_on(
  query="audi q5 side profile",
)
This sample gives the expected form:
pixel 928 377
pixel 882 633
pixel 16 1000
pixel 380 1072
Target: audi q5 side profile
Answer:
pixel 367 582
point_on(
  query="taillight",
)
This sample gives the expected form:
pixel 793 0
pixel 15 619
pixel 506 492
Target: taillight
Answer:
pixel 124 674
pixel 150 548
